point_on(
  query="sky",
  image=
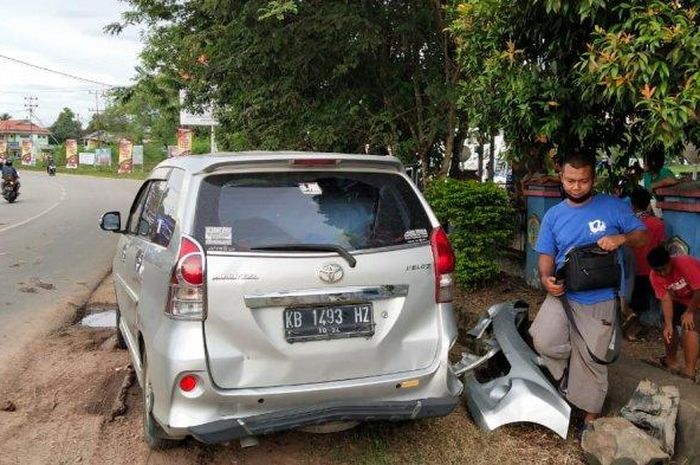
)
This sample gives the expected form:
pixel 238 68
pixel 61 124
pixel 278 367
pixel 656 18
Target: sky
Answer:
pixel 66 36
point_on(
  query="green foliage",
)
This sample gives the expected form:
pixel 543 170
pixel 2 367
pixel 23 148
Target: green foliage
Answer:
pixel 67 126
pixel 200 145
pixel 517 61
pixel 327 76
pixel 648 62
pixel 603 76
pixel 148 110
pixel 481 220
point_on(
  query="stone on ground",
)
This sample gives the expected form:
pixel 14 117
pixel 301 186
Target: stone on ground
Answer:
pixel 654 409
pixel 617 441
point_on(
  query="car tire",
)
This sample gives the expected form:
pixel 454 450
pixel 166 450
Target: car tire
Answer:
pixel 121 343
pixel 153 434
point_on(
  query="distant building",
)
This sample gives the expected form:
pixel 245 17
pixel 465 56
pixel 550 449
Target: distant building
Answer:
pixel 97 139
pixel 14 131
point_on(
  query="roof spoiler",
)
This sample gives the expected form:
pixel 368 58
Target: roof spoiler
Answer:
pixel 292 162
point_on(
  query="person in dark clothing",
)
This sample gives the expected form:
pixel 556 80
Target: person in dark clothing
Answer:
pixel 9 172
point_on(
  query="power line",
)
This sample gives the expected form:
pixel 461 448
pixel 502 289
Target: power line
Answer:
pixel 55 72
pixel 51 90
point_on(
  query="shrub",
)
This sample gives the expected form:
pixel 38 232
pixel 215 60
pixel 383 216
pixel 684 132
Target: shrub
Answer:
pixel 481 224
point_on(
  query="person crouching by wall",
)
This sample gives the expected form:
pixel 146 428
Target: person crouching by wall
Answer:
pixel 584 217
pixel 676 282
pixel 643 304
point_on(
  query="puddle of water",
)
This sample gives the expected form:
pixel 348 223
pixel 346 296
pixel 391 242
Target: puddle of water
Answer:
pixel 105 319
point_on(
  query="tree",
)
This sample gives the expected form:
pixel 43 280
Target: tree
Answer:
pixel 5 117
pixel 312 75
pixel 603 76
pixel 648 63
pixel 66 126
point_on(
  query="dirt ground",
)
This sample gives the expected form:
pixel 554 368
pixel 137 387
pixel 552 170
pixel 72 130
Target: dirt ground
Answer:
pixel 58 401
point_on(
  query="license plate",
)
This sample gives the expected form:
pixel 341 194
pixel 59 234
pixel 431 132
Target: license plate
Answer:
pixel 309 324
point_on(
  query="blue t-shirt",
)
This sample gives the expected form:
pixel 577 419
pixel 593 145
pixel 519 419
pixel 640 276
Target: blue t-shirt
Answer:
pixel 565 226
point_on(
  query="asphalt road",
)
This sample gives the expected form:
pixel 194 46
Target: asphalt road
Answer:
pixel 52 249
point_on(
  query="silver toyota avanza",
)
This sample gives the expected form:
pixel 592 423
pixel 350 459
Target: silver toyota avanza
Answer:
pixel 260 292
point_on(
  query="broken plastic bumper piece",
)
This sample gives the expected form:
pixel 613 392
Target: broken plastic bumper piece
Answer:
pixel 519 391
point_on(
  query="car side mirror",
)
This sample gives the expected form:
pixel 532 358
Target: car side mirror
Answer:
pixel 111 221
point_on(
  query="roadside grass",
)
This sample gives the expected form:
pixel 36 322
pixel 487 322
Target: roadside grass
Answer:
pixel 98 171
pixel 451 440
pixel 368 446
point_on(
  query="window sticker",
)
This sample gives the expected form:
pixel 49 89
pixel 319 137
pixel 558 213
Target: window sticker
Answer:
pixel 310 188
pixel 218 235
pixel 416 235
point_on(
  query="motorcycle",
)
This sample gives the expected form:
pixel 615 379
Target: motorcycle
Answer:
pixel 10 190
pixel 51 170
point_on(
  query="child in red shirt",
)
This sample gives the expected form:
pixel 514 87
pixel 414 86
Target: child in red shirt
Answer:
pixel 676 281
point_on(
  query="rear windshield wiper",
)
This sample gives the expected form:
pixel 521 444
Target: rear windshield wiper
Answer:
pixel 312 248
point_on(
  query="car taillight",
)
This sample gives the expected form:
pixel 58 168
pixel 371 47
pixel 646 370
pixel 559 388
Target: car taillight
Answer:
pixel 187 283
pixel 444 259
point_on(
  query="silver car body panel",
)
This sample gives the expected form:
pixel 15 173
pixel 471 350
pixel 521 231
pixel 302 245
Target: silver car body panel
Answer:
pixel 244 365
pixel 325 296
pixel 180 350
pixel 524 394
pixel 246 347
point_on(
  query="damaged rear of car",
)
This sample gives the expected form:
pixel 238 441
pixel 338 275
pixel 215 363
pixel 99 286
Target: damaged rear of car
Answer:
pixel 279 291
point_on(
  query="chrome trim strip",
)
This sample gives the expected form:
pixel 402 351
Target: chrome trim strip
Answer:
pixel 326 296
pixel 278 253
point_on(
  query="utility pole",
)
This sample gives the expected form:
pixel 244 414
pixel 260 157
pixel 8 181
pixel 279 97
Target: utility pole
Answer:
pixel 96 110
pixel 30 104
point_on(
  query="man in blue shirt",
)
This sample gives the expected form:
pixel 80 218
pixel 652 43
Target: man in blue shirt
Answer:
pixel 583 218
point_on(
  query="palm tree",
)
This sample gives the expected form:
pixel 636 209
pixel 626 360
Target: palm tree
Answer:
pixel 5 117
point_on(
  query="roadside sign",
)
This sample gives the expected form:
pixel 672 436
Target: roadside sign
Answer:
pixel 86 158
pixel 187 118
pixel 138 155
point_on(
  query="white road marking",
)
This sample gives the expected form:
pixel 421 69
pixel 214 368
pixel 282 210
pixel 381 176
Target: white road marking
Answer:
pixel 39 215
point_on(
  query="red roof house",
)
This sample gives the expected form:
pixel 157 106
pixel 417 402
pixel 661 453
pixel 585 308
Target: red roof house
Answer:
pixel 23 127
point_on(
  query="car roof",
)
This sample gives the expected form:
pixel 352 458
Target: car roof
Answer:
pixel 211 162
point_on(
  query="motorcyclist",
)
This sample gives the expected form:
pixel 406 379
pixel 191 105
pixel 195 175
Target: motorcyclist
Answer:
pixel 50 164
pixel 10 172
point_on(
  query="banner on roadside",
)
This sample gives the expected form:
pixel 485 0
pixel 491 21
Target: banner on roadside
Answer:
pixel 27 153
pixel 71 153
pixel 184 141
pixel 138 155
pixel 103 156
pixel 126 148
pixel 86 158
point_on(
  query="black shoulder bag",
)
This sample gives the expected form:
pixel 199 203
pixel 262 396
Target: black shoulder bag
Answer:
pixel 586 268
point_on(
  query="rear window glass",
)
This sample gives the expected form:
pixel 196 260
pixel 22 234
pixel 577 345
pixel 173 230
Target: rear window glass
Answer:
pixel 354 210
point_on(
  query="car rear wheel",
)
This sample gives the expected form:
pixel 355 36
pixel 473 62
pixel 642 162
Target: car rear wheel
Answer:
pixel 154 435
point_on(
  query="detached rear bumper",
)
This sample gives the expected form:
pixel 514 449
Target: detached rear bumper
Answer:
pixel 523 393
pixel 227 430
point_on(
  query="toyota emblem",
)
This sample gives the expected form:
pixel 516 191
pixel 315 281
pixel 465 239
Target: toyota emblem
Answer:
pixel 330 273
